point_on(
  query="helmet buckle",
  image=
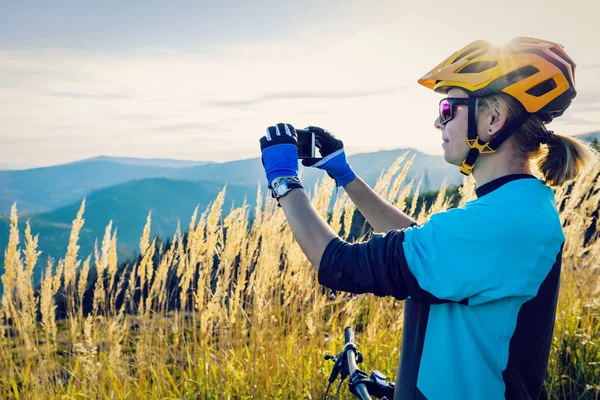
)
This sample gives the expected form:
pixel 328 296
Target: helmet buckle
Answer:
pixel 466 169
pixel 482 147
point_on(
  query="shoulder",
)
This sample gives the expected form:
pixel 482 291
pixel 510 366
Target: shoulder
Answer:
pixel 519 210
pixel 526 204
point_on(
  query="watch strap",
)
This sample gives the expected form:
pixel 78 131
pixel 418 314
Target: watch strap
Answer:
pixel 283 185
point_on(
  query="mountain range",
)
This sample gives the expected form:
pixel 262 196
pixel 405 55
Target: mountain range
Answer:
pixel 44 189
pixel 125 190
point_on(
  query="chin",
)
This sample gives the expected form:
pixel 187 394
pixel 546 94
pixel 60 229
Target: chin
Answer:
pixel 452 160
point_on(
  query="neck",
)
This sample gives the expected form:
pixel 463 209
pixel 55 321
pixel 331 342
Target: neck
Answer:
pixel 493 166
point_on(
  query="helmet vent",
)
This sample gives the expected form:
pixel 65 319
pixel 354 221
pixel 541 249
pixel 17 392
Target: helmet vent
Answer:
pixel 542 88
pixel 465 53
pixel 521 74
pixel 477 54
pixel 478 66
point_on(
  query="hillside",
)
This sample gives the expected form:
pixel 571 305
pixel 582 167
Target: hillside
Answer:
pixel 590 137
pixel 44 189
pixel 367 165
pixel 127 205
pixel 151 162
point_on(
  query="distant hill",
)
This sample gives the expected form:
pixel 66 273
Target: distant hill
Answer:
pixel 368 165
pixel 14 167
pixel 434 168
pixel 44 189
pixel 590 137
pixel 151 162
pixel 127 205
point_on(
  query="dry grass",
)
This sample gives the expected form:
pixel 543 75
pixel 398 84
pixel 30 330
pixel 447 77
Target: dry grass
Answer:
pixel 258 325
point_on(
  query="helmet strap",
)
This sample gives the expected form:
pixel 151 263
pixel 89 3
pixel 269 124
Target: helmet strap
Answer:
pixel 467 165
pixel 509 129
pixel 480 147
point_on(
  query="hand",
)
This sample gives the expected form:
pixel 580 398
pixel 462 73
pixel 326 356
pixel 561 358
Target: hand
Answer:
pixel 279 149
pixel 334 160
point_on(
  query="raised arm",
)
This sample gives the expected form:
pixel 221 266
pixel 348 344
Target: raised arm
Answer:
pixel 279 155
pixel 382 216
pixel 376 266
pixel 280 159
pixel 310 230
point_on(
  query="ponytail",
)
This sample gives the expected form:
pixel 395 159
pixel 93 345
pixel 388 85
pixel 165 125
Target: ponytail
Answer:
pixel 563 158
pixel 559 158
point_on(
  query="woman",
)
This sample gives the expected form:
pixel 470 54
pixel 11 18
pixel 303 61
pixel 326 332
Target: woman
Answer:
pixel 480 282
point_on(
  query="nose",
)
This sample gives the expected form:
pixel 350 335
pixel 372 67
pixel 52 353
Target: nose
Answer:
pixel 437 124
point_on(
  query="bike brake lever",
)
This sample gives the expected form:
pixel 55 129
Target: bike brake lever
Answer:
pixel 337 367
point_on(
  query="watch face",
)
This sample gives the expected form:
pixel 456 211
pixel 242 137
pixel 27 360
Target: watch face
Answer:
pixel 281 189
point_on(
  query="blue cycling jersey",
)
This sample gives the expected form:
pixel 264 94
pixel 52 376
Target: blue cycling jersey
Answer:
pixel 481 285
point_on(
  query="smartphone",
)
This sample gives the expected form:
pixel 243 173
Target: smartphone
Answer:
pixel 306 143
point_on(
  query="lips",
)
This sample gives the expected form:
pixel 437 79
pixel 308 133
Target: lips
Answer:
pixel 445 140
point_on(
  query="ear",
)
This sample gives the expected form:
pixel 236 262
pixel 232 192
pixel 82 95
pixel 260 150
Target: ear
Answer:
pixel 495 120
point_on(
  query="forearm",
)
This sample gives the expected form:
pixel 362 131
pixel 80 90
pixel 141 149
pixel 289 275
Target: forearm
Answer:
pixel 382 216
pixel 311 232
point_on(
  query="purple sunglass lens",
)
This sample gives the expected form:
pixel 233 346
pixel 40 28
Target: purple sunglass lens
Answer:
pixel 445 111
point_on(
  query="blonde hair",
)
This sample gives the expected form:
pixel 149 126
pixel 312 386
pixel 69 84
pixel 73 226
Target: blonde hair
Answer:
pixel 559 158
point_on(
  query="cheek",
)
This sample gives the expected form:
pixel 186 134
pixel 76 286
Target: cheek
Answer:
pixel 457 149
pixel 456 128
pixel 456 131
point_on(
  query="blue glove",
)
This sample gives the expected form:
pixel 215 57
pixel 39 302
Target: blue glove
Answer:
pixel 279 149
pixel 334 160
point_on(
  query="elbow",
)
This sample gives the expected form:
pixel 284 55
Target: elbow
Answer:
pixel 316 261
pixel 316 256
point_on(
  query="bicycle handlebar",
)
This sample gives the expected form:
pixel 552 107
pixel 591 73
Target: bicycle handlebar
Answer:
pixel 361 389
pixel 361 384
pixel 348 335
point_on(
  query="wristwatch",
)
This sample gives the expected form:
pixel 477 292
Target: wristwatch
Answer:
pixel 283 185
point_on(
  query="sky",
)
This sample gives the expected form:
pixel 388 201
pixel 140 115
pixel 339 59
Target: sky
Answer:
pixel 201 80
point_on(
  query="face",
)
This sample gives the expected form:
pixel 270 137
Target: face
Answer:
pixel 454 132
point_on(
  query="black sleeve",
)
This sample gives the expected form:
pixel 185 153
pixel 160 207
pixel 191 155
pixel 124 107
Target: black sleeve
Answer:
pixel 376 266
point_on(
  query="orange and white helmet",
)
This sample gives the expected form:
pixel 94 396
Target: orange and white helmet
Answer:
pixel 536 73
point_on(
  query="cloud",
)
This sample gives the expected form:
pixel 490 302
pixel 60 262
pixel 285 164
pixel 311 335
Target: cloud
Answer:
pixel 592 106
pixel 587 98
pixel 190 127
pixel 305 96
pixel 221 125
pixel 594 67
pixel 102 96
pixel 37 139
pixel 140 117
pixel 20 71
pixel 572 120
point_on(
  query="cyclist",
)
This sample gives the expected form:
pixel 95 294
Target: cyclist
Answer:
pixel 480 281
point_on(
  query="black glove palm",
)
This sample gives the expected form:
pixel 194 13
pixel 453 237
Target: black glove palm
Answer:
pixel 334 160
pixel 325 142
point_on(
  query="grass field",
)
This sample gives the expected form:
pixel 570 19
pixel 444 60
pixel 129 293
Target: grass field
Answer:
pixel 258 324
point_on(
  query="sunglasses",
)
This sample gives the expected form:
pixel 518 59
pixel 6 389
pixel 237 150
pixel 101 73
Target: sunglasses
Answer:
pixel 447 107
